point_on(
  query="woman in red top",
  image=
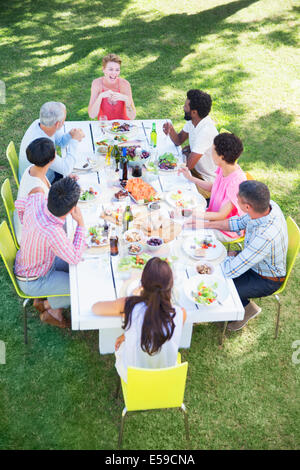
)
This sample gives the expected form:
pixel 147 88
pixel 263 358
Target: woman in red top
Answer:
pixel 111 95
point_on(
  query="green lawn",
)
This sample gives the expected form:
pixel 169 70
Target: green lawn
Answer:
pixel 57 392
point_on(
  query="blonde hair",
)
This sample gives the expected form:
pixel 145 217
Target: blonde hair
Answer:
pixel 111 58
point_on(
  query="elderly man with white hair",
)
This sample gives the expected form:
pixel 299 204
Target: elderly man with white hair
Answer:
pixel 50 123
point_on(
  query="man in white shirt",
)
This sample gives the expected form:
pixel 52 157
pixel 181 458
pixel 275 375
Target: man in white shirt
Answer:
pixel 52 118
pixel 201 131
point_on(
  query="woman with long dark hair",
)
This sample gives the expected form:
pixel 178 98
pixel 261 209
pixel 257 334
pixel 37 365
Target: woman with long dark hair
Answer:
pixel 152 325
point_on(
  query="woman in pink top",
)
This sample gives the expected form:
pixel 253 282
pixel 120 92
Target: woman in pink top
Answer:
pixel 111 95
pixel 223 200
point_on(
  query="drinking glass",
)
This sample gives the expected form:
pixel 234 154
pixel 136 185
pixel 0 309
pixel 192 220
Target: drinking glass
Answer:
pixel 102 122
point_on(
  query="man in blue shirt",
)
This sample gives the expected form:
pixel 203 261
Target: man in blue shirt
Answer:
pixel 260 268
pixel 50 125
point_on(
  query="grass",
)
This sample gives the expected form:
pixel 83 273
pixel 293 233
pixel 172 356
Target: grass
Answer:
pixel 57 392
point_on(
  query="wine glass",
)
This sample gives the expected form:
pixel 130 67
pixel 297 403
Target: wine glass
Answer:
pixel 102 122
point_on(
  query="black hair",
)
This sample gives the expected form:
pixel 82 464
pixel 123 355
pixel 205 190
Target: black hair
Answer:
pixel 63 196
pixel 199 101
pixel 158 324
pixel 256 194
pixel 40 151
pixel 229 146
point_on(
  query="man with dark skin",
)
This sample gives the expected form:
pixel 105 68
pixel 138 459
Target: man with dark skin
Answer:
pixel 201 131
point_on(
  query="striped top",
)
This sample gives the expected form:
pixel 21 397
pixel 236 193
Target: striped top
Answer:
pixel 265 246
pixel 44 238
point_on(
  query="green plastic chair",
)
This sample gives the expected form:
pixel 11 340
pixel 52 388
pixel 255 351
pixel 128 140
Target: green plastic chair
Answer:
pixel 12 157
pixel 9 207
pixel 292 252
pixel 152 389
pixel 8 252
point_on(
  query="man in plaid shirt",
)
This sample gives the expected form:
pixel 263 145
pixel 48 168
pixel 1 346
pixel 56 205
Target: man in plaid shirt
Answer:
pixel 42 263
pixel 260 268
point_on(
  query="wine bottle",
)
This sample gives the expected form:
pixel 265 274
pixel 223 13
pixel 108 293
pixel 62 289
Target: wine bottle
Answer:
pixel 124 167
pixel 153 135
pixel 127 218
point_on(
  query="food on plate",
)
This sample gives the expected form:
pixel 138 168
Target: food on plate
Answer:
pixel 133 262
pixel 141 191
pixel 117 127
pixel 122 194
pixel 135 248
pixel 205 243
pixel 200 246
pixel 85 165
pixel 133 236
pixel 205 294
pixel 102 142
pixel 88 195
pixel 98 235
pixel 153 241
pixel 120 138
pixel 199 252
pixel 182 200
pixel 203 269
pixel 167 161
pixel 132 153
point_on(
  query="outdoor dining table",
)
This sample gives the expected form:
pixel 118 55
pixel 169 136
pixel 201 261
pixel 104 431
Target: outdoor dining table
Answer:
pixel 96 276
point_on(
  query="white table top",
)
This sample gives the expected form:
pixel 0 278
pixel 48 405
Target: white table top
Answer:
pixel 96 278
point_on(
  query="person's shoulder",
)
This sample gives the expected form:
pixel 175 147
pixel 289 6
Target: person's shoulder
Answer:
pixel 32 129
pixel 124 85
pixel 97 82
pixel 123 81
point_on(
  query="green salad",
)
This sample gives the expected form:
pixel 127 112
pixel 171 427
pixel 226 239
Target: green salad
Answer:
pixel 88 195
pixel 167 161
pixel 133 262
pixel 205 294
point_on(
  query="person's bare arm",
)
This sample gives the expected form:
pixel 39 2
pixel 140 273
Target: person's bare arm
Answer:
pixel 206 185
pixel 177 139
pixel 96 98
pixel 192 159
pixel 126 95
pixel 111 308
pixel 221 214
pixel 218 224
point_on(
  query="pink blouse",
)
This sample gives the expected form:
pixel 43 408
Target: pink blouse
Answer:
pixel 225 189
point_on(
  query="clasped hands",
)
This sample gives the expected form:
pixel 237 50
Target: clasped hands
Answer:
pixel 115 96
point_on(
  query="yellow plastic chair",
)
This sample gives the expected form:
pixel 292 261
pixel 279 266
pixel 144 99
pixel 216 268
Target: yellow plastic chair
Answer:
pixel 12 157
pixel 224 130
pixel 9 207
pixel 8 252
pixel 292 252
pixel 151 389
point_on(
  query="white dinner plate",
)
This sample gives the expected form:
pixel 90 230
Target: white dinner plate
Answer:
pixel 190 244
pixel 191 200
pixel 132 130
pixel 191 285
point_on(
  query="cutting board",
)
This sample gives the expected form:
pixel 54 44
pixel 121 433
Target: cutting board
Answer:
pixel 168 232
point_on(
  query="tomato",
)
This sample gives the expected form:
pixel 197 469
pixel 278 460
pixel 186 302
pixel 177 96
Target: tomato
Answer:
pixel 179 192
pixel 214 246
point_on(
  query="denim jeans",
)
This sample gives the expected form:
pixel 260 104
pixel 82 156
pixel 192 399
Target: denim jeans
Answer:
pixel 252 285
pixel 56 281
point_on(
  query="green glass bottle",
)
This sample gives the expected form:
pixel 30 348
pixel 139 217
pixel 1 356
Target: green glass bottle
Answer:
pixel 127 218
pixel 153 136
pixel 115 153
